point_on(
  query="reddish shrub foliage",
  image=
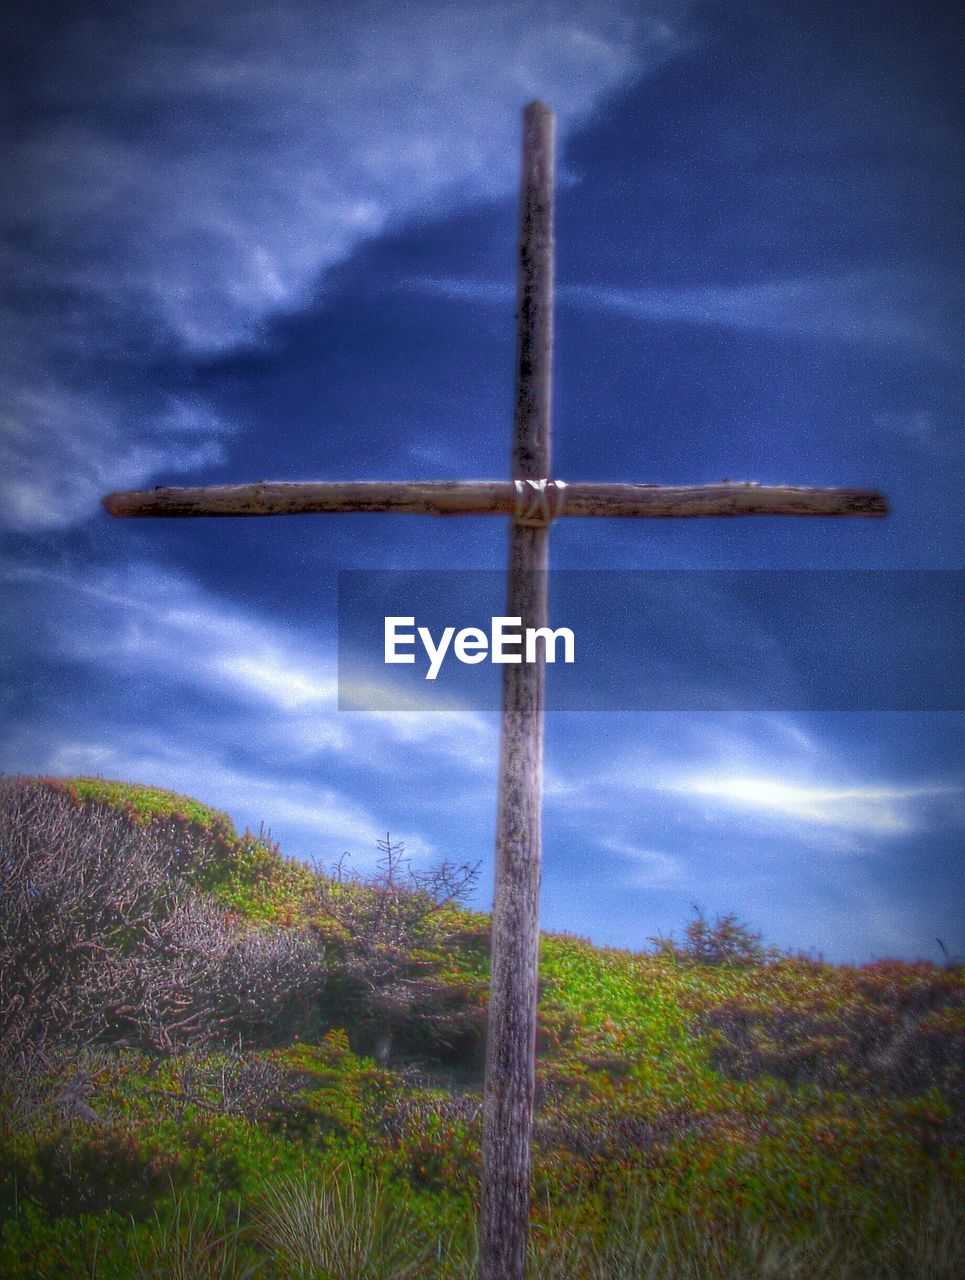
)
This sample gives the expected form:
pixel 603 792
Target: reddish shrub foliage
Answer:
pixel 887 1029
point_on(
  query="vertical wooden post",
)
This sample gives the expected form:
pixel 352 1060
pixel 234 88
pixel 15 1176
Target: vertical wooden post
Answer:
pixel 511 1043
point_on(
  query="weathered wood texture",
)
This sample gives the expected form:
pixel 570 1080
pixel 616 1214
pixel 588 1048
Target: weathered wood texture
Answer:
pixel 511 1029
pixel 493 498
pixel 725 499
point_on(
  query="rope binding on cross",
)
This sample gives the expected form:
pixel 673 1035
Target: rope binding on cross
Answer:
pixel 539 502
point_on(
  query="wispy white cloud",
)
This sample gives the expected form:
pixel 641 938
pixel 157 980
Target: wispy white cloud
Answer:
pixel 147 621
pixel 925 430
pixel 243 714
pixel 875 308
pixel 884 809
pixel 883 307
pixel 281 682
pixel 651 869
pixel 762 774
pixel 62 449
pixel 458 289
pixel 150 625
pixel 681 745
pixel 185 174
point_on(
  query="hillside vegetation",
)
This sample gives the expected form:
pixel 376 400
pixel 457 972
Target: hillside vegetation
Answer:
pixel 219 1062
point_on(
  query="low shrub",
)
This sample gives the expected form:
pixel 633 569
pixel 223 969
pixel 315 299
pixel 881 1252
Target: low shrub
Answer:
pixel 723 941
pixel 77 1170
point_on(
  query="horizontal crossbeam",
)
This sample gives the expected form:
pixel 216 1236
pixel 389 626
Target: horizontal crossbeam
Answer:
pixel 494 498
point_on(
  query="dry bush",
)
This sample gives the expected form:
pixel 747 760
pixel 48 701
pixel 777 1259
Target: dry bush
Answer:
pixel 198 977
pixel 393 933
pixel 78 887
pixel 388 915
pixel 103 938
pixel 417 1111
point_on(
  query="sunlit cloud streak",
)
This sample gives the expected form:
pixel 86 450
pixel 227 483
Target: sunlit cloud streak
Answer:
pixel 879 809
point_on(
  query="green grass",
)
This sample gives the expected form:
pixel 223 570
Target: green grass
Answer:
pixel 693 1120
pixel 145 804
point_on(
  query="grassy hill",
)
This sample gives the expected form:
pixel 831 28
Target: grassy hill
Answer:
pixel 216 1062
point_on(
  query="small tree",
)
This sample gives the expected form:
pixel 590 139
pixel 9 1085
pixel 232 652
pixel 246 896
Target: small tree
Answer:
pixel 392 926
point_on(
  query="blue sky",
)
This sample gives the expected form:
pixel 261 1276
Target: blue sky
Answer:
pixel 248 241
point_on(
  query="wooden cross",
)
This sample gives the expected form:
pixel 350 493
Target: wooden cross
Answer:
pixel 533 501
